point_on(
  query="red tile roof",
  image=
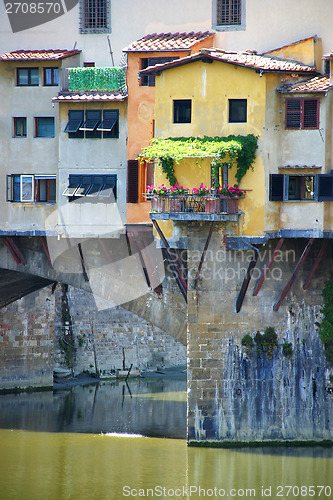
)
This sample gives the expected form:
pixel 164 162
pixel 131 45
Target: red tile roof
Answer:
pixel 317 84
pixel 167 41
pixel 300 166
pixel 39 55
pixel 245 59
pixel 89 96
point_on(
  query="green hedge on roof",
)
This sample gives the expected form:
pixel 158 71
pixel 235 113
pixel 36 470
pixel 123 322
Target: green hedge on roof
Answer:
pixel 96 79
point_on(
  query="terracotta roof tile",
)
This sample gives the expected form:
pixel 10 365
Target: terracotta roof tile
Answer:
pixel 245 59
pixel 317 84
pixel 39 55
pixel 300 166
pixel 167 41
pixel 89 96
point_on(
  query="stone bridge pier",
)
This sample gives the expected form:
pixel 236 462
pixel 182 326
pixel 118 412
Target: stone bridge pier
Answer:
pixel 256 392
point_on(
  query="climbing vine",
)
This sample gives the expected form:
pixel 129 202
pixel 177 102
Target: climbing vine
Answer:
pixel 326 327
pixel 238 148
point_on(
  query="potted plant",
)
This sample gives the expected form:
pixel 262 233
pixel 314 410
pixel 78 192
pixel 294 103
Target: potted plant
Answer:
pixel 176 202
pixel 157 195
pixel 229 198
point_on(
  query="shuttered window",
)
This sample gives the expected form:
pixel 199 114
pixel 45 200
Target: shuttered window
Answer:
pixel 325 187
pixel 276 182
pixel 132 181
pixel 302 113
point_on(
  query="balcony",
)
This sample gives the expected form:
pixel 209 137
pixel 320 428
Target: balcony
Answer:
pixel 190 207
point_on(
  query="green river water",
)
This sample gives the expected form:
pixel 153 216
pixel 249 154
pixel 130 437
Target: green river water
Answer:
pixel 85 458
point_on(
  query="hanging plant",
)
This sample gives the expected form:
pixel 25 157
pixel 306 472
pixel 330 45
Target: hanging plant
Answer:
pixel 239 149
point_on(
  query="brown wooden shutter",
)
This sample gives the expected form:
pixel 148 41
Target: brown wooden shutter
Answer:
pixel 132 181
pixel 293 113
pixel 310 113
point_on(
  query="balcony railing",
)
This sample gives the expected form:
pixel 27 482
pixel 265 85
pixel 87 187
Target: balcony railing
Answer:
pixel 193 207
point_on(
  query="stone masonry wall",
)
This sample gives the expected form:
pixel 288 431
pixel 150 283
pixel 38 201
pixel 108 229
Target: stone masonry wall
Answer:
pixel 112 330
pixel 238 394
pixel 26 341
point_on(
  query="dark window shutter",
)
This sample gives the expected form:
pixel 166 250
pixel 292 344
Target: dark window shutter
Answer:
pixel 132 181
pixel 310 113
pixel 293 113
pixel 276 187
pixel 325 187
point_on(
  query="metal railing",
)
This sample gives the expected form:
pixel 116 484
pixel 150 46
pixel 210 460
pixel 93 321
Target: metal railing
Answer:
pixel 191 203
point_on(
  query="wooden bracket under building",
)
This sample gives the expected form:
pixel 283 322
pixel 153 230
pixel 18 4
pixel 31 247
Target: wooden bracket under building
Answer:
pixel 316 264
pixel 247 279
pixel 295 273
pixel 15 251
pixel 173 260
pixel 262 278
pixel 203 255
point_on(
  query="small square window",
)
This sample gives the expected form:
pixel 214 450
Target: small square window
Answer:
pixel 51 77
pixel 301 187
pixel 20 127
pixel 93 120
pixel 237 110
pixel 27 77
pixel 110 123
pixel 182 111
pixel 44 126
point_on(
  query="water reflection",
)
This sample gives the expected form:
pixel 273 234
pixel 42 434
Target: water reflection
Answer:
pixel 151 407
pixel 61 466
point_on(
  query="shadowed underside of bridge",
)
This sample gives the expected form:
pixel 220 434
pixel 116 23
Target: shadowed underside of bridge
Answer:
pixel 118 272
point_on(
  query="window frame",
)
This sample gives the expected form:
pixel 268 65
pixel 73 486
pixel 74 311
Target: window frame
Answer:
pixel 83 186
pixel 23 126
pixel 36 127
pixel 301 113
pixel 84 6
pixel 234 101
pixel 239 26
pixel 15 191
pixel 29 69
pixel 176 111
pixel 54 81
pixel 103 129
pixel 48 180
pixel 279 187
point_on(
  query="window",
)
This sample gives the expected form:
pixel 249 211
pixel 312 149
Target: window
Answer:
pixel 27 77
pixel 237 110
pixel 93 187
pixel 149 80
pixel 51 76
pixel 284 187
pixel 93 119
pixel 95 16
pixel 44 126
pixel 110 123
pixel 45 188
pixel 20 127
pixel 75 120
pixel 93 124
pixel 20 188
pixel 182 111
pixel 302 113
pixel 31 188
pixel 229 14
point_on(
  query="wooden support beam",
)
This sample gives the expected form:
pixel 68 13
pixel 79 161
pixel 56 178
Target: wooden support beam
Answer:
pixel 46 249
pixel 173 263
pixel 293 277
pixel 262 278
pixel 15 251
pixel 196 279
pixel 84 272
pixel 247 279
pixel 316 264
